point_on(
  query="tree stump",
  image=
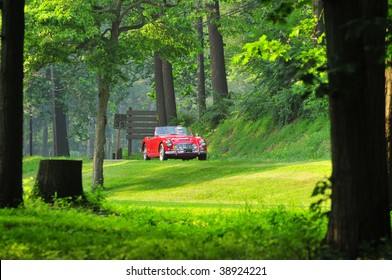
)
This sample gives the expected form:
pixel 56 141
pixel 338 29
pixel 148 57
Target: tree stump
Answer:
pixel 59 179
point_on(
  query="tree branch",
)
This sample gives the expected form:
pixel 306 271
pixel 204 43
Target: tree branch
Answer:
pixel 132 27
pixel 106 31
pixel 130 7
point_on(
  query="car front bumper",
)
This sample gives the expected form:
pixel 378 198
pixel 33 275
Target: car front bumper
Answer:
pixel 184 152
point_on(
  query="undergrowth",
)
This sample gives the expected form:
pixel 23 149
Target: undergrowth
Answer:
pixel 263 139
pixel 41 231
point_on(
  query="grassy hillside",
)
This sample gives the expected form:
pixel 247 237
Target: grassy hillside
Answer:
pixel 301 140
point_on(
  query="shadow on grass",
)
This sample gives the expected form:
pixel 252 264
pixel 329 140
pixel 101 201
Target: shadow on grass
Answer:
pixel 139 176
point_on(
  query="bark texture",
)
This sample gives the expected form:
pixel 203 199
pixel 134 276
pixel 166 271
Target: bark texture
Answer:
pixel 355 48
pixel 159 88
pixel 11 103
pixel 60 179
pixel 217 57
pixel 388 118
pixel 100 137
pixel 318 9
pixel 168 89
pixel 60 134
pixel 201 80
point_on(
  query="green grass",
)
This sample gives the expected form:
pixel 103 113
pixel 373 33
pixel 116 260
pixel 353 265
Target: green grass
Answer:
pixel 43 232
pixel 302 140
pixel 211 183
pixel 249 201
pixel 175 210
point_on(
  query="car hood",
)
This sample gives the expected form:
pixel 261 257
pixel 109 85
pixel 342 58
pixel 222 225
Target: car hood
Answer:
pixel 178 138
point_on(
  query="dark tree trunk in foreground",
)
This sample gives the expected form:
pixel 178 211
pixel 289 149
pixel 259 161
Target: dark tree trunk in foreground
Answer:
pixel 356 51
pixel 168 89
pixel 11 103
pixel 388 116
pixel 60 179
pixel 159 89
pixel 217 57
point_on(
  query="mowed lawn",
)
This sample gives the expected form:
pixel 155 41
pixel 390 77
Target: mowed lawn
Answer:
pixel 194 183
pixel 210 183
pixel 175 210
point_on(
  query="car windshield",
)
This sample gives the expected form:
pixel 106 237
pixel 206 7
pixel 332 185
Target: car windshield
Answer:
pixel 173 130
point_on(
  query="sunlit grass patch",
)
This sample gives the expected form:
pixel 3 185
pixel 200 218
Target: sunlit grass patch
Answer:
pixel 211 209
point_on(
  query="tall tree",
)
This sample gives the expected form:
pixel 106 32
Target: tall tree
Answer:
pixel 123 17
pixel 217 57
pixel 168 89
pixel 11 103
pixel 201 79
pixel 159 89
pixel 60 134
pixel 388 126
pixel 356 50
pixel 388 103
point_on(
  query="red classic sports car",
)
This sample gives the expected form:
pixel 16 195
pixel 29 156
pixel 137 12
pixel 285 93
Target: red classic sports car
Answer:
pixel 174 142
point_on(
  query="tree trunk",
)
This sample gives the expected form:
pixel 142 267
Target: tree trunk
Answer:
pixel 388 117
pixel 60 135
pixel 11 103
pixel 90 143
pixel 217 57
pixel 60 179
pixel 359 210
pixel 100 136
pixel 159 88
pixel 104 82
pixel 31 143
pixel 168 89
pixel 318 9
pixel 201 80
pixel 45 151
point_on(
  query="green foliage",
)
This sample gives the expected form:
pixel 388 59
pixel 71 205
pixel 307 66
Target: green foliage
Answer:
pixel 287 65
pixel 41 232
pixel 323 192
pixel 55 30
pixel 264 49
pixel 389 33
pixel 302 139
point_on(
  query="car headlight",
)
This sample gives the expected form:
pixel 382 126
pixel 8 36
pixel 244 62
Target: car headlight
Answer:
pixel 169 143
pixel 194 147
pixel 202 142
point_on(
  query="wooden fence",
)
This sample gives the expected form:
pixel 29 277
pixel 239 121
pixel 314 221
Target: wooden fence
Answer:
pixel 139 125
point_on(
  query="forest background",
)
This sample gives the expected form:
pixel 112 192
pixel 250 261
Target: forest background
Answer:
pixel 264 62
pixel 261 41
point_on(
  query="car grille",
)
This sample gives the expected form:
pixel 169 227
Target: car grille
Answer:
pixel 184 146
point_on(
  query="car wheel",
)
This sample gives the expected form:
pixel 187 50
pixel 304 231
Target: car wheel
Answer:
pixel 145 156
pixel 162 154
pixel 202 157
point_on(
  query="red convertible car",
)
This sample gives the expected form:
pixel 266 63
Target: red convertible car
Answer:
pixel 174 142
